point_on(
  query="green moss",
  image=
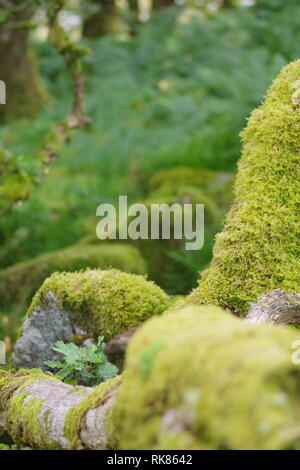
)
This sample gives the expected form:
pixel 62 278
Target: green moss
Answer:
pixel 258 249
pixel 4 447
pixel 92 400
pixel 216 187
pixel 217 383
pixel 17 187
pixel 17 380
pixel 104 302
pixel 186 195
pixel 22 412
pixel 30 274
pixel 26 91
pixel 166 180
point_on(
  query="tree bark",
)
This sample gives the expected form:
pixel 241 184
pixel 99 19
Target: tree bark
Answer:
pixel 26 95
pixel 38 411
pixel 106 21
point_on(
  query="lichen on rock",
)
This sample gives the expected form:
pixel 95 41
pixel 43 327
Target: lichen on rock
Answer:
pixel 258 249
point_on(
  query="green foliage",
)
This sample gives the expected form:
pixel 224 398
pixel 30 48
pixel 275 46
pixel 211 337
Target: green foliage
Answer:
pixel 176 94
pixel 82 365
pixel 32 273
pixel 4 447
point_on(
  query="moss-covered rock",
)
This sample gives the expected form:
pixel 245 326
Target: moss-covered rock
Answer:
pixel 91 303
pixel 106 302
pixel 259 249
pixel 199 378
pixel 19 282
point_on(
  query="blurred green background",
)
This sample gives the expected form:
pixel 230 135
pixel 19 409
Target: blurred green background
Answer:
pixel 168 86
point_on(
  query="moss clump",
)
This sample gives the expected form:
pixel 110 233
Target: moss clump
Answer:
pixel 30 274
pixel 104 302
pixel 199 378
pixel 4 447
pixel 166 180
pixel 258 250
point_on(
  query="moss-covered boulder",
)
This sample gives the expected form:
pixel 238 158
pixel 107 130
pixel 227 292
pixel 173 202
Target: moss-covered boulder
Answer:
pixel 19 282
pixel 258 249
pixel 92 303
pixel 200 378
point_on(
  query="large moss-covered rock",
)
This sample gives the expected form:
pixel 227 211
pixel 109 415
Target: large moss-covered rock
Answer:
pixel 258 249
pixel 199 378
pixel 92 303
pixel 19 282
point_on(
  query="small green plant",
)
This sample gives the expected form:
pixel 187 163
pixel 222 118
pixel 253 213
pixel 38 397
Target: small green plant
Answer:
pixel 83 365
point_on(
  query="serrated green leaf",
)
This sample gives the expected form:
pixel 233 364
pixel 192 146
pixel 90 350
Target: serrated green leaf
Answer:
pixel 108 371
pixel 54 364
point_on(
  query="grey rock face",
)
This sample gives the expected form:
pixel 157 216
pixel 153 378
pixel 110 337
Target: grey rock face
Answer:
pixel 277 306
pixel 46 325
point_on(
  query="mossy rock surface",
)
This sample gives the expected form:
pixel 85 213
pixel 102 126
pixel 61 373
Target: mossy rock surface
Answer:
pixel 165 180
pixel 258 249
pixel 19 282
pixel 86 304
pixel 200 378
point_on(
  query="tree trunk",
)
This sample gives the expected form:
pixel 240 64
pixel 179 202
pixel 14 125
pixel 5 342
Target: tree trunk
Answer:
pixel 106 21
pixel 160 4
pixel 38 411
pixel 178 365
pixel 18 69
